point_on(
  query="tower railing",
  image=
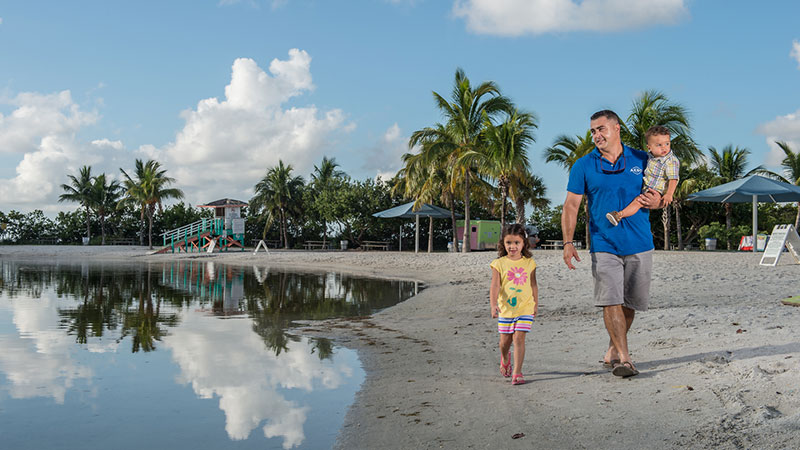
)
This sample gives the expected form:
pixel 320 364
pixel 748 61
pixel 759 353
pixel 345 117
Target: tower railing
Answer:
pixel 184 233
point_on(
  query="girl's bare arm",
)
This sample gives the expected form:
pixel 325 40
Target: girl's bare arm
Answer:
pixel 494 291
pixel 535 289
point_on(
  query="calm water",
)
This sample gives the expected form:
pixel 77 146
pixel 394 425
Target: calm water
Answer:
pixel 175 355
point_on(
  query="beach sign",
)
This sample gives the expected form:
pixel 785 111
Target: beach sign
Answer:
pixel 746 243
pixel 783 236
pixel 261 244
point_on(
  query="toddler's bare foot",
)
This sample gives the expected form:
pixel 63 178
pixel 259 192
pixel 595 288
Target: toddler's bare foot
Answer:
pixel 614 217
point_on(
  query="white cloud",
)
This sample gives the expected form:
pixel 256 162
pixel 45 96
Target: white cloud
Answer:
pixel 223 149
pixel 520 17
pixel 384 157
pixel 42 128
pixel 783 128
pixel 116 145
pixel 226 145
pixel 795 53
pixel 37 359
pixel 216 357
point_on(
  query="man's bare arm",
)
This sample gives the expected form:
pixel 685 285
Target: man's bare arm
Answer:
pixel 569 217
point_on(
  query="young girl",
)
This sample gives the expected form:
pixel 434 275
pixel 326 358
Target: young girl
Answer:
pixel 514 297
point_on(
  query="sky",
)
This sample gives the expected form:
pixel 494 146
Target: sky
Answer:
pixel 219 91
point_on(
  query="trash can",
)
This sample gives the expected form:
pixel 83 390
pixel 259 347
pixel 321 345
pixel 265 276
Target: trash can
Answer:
pixel 343 245
pixel 711 244
pixel 450 247
pixel 85 241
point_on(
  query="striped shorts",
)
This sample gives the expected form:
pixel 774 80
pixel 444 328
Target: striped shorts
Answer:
pixel 508 325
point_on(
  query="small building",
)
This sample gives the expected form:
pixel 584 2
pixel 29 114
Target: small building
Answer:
pixel 485 234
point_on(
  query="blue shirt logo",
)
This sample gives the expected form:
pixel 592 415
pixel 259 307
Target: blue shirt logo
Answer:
pixel 636 170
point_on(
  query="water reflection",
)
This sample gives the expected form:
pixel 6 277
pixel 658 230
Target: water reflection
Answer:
pixel 226 331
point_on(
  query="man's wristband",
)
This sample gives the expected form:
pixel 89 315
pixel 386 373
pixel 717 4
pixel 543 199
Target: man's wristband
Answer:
pixel 569 242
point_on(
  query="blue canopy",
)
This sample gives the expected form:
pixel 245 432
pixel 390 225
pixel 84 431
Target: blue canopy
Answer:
pixel 743 190
pixel 407 211
pixel 755 189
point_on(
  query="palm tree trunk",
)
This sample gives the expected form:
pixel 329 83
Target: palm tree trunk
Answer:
pixel 150 228
pixel 103 229
pixel 88 230
pixel 467 230
pixel 324 232
pixel 141 227
pixel 430 234
pixel 666 217
pixel 728 213
pixel 520 210
pixel 453 221
pixel 503 195
pixel 678 225
pixel 283 230
pixel 797 217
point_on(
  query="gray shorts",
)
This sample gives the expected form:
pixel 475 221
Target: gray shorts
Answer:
pixel 622 280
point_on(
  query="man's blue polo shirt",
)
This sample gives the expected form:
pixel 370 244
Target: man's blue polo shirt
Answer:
pixel 611 187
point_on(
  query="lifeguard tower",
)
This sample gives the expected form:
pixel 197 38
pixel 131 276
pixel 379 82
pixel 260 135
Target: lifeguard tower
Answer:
pixel 224 231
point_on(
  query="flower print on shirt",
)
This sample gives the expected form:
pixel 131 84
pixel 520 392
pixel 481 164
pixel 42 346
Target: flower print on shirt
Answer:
pixel 517 275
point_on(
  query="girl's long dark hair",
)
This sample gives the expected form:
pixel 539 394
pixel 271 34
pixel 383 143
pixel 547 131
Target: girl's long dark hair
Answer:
pixel 516 229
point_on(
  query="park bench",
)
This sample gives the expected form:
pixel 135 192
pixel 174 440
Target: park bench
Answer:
pixel 314 245
pixel 44 241
pixel 271 243
pixel 380 245
pixel 120 241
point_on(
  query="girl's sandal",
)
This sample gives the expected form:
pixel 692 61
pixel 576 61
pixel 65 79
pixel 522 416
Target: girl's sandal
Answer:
pixel 505 370
pixel 517 380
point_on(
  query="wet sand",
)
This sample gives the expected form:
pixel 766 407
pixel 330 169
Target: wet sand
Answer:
pixel 719 355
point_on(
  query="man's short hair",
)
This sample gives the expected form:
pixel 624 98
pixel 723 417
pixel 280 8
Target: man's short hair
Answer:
pixel 608 114
pixel 656 130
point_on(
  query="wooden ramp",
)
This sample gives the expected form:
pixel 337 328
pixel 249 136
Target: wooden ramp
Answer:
pixel 200 236
pixel 189 244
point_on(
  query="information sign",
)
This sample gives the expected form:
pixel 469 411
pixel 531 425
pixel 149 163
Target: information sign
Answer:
pixel 783 236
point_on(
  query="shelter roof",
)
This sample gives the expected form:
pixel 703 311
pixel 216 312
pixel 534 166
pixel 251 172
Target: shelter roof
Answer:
pixel 224 203
pixel 407 210
pixel 744 189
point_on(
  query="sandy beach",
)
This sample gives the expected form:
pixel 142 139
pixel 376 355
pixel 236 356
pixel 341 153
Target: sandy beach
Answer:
pixel 719 354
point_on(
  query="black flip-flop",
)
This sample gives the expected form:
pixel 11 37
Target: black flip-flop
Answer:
pixel 625 370
pixel 610 364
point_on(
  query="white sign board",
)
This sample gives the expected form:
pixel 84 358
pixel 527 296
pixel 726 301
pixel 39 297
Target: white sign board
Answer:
pixel 238 226
pixel 783 236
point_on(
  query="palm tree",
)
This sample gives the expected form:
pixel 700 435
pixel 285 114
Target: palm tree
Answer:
pixel 686 186
pixel 80 191
pixel 504 156
pixel 425 179
pixel 529 190
pixel 148 190
pixel 565 151
pixel 322 179
pixel 278 195
pixel 465 116
pixel 104 199
pixel 791 170
pixel 654 108
pixel 729 165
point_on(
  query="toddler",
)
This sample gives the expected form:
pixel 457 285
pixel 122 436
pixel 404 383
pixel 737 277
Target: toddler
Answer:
pixel 660 175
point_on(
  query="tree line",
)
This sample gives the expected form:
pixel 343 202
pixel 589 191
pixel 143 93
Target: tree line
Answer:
pixel 482 148
pixel 477 162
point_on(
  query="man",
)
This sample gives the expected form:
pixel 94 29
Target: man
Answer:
pixel 622 257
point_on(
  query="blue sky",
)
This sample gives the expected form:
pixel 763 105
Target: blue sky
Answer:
pixel 218 91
